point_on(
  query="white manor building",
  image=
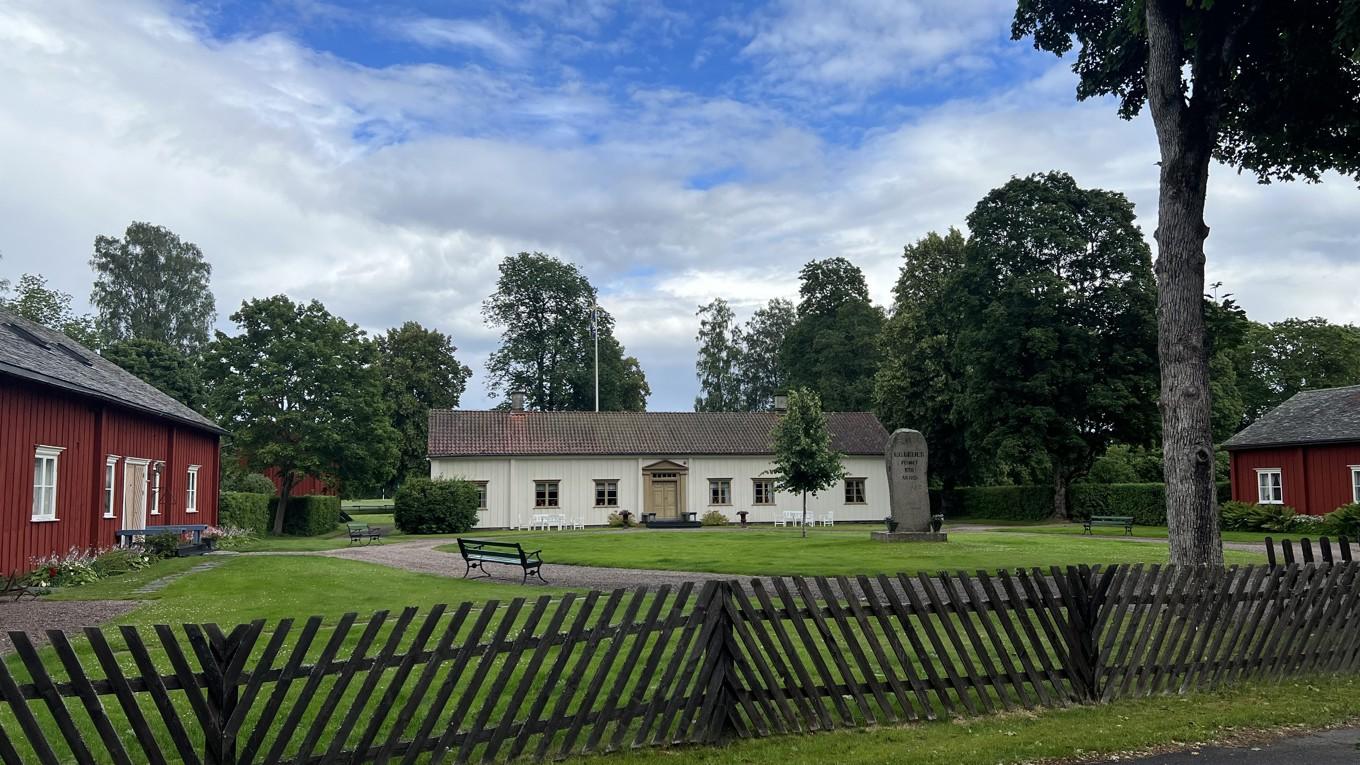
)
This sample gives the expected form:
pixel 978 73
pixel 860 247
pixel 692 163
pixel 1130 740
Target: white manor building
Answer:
pixel 677 465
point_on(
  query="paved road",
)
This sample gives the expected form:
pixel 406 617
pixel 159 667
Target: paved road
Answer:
pixel 1332 747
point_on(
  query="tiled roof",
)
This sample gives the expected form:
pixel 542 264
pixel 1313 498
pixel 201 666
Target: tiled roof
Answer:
pixel 1329 415
pixel 456 433
pixel 59 361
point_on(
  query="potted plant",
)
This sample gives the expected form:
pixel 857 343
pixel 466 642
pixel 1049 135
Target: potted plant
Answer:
pixel 891 523
pixel 936 522
pixel 210 537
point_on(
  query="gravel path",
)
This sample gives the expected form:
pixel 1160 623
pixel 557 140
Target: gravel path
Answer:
pixel 422 557
pixel 37 616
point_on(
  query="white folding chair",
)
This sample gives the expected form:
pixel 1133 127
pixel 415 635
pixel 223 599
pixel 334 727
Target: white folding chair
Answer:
pixel 829 519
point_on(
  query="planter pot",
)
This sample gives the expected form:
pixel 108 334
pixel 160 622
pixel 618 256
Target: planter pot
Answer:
pixel 891 524
pixel 936 522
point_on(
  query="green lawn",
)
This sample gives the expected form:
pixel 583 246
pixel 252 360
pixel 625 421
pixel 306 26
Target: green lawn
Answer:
pixel 337 538
pixel 1152 532
pixel 849 551
pixel 1058 734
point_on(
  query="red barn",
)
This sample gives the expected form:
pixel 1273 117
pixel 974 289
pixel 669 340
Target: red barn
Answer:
pixel 1305 453
pixel 87 448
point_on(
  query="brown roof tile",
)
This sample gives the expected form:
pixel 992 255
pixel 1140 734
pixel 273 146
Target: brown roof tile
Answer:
pixel 458 433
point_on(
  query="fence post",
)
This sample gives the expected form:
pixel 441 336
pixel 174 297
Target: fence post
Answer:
pixel 228 654
pixel 1086 589
pixel 719 721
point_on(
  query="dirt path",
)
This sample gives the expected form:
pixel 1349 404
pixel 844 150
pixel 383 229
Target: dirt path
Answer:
pixel 35 617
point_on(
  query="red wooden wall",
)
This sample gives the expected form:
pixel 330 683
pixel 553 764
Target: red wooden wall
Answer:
pixel 89 430
pixel 308 485
pixel 1316 479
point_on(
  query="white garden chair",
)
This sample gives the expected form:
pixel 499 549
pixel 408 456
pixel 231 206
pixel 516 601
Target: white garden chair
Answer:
pixel 829 518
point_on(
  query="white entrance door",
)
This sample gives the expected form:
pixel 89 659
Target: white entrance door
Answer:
pixel 134 494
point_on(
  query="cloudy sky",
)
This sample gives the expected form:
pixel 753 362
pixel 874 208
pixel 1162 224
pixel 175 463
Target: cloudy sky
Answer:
pixel 384 156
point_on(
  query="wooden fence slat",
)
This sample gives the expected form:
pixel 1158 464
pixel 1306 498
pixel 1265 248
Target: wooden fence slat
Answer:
pixel 9 755
pixel 850 639
pixel 526 681
pixel 469 695
pixel 819 664
pixel 127 699
pixel 675 618
pixel 1016 601
pixel 113 743
pixel 602 671
pixel 669 693
pixel 416 698
pixel 650 624
pixel 509 662
pixel 921 654
pixel 151 679
pixel 1219 651
pixel 19 707
pixel 1001 612
pixel 941 655
pixel 568 689
pixel 855 603
pixel 315 676
pixel 764 657
pixel 47 691
pixel 789 653
pixel 360 705
pixel 883 617
pixel 963 612
pixel 1125 655
pixel 291 671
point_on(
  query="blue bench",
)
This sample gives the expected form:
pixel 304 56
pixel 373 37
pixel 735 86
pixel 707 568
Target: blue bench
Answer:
pixel 123 536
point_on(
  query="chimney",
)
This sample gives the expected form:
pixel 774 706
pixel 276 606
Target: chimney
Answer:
pixel 781 402
pixel 517 402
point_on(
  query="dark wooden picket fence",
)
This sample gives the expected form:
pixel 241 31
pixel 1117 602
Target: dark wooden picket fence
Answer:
pixel 555 676
pixel 1342 553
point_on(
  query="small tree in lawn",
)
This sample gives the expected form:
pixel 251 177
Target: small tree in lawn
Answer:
pixel 803 458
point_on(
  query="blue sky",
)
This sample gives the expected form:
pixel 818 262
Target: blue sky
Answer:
pixel 383 157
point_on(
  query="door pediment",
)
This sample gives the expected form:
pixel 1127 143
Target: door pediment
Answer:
pixel 665 466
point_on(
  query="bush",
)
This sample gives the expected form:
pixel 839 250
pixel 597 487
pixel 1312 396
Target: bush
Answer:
pixel 1343 522
pixel 246 510
pixel 618 520
pixel 1002 503
pixel 1145 502
pixel 1275 518
pixel 74 568
pixel 161 546
pixel 310 515
pixel 425 506
pixel 714 518
pixel 120 560
pixel 255 483
pixel 1235 516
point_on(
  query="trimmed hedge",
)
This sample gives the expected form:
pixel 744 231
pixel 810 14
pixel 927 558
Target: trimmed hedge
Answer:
pixel 310 515
pixel 246 510
pixel 424 506
pixel 1146 502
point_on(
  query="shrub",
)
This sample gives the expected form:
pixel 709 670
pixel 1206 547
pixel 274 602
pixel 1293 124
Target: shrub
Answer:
pixel 74 568
pixel 246 510
pixel 256 483
pixel 714 518
pixel 310 515
pixel 1343 522
pixel 425 506
pixel 1002 503
pixel 1275 518
pixel 119 560
pixel 1145 502
pixel 1235 516
pixel 619 520
pixel 160 546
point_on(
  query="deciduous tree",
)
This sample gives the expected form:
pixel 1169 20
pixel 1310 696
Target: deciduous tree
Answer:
pixel 1269 87
pixel 419 372
pixel 300 391
pixel 719 357
pixel 160 365
pixel 761 373
pixel 32 299
pixel 151 285
pixel 804 462
pixel 833 346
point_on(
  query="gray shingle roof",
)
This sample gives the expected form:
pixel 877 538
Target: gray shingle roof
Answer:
pixel 1329 415
pixel 63 363
pixel 456 433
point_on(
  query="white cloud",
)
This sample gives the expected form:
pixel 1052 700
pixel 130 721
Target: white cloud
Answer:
pixel 391 194
pixel 464 33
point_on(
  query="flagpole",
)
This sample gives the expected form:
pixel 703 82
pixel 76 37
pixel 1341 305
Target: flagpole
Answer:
pixel 595 332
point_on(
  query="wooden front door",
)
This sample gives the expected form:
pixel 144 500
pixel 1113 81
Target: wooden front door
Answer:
pixel 134 495
pixel 665 499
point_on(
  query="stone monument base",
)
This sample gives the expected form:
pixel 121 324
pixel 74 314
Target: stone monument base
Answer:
pixel 909 536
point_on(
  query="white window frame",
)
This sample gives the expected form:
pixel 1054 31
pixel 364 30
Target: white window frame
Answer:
pixel 1355 482
pixel 191 490
pixel 721 490
pixel 863 491
pixel 1261 498
pixel 154 476
pixel 483 494
pixel 110 484
pixel 45 494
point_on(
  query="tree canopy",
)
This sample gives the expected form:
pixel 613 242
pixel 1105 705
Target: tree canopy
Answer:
pixel 419 372
pixel 804 461
pixel 543 308
pixel 832 348
pixel 160 365
pixel 718 365
pixel 152 285
pixel 300 391
pixel 32 299
pixel 760 373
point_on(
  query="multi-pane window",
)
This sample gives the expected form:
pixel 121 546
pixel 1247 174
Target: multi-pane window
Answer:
pixel 762 491
pixel 545 493
pixel 191 490
pixel 854 491
pixel 606 493
pixel 1355 482
pixel 481 494
pixel 1269 486
pixel 45 482
pixel 156 469
pixel 110 476
pixel 720 491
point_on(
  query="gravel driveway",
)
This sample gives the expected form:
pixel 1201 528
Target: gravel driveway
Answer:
pixel 37 616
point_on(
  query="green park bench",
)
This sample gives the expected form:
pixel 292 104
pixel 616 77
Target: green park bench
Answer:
pixel 479 552
pixel 364 533
pixel 1109 520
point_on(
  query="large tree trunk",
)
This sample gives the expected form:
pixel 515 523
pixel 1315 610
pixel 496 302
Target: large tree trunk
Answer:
pixel 285 491
pixel 1184 134
pixel 1060 493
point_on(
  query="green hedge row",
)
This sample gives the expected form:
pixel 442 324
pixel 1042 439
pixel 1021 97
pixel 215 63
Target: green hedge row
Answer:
pixel 311 515
pixel 1146 502
pixel 246 510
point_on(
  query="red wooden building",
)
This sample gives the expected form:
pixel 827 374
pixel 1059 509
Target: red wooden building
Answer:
pixel 1305 453
pixel 87 448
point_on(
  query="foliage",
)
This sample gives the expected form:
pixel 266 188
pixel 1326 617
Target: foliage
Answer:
pixel 1144 502
pixel 419 372
pixel 1343 522
pixel 1294 355
pixel 619 520
pixel 543 307
pixel 119 560
pixel 804 462
pixel 999 503
pixel 918 385
pixel 151 285
pixel 160 365
pixel 719 358
pixel 246 510
pixel 158 546
pixel 1057 336
pixel 714 518
pixel 75 567
pixel 299 390
pixel 833 346
pixel 235 538
pixel 251 483
pixel 761 374
pixel 1249 516
pixel 33 300
pixel 310 515
pixel 426 506
pixel 1124 463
